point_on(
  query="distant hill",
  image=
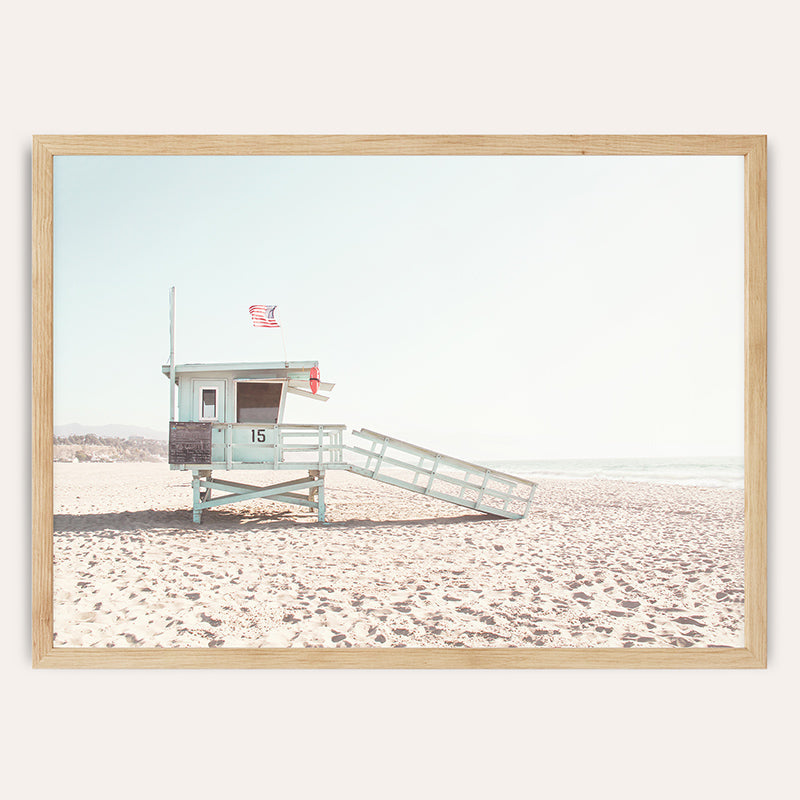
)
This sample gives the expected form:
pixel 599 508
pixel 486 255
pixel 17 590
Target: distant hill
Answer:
pixel 91 447
pixel 109 431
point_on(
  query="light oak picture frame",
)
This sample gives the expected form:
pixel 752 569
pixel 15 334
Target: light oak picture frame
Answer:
pixel 753 149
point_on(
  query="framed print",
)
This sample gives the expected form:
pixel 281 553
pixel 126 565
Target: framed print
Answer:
pixel 399 401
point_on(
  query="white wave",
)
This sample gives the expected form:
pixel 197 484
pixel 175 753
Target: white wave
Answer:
pixel 711 473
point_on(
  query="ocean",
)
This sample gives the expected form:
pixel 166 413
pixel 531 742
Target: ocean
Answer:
pixel 710 472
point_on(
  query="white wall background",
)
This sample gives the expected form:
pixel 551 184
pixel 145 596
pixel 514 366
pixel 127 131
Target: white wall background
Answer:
pixel 412 67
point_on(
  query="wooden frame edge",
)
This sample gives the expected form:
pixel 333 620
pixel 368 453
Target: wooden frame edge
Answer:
pixel 755 435
pixel 42 394
pixel 343 144
pixel 753 655
pixel 401 658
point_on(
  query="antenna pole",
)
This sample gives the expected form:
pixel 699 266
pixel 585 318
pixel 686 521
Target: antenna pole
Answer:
pixel 172 354
pixel 285 357
pixel 283 342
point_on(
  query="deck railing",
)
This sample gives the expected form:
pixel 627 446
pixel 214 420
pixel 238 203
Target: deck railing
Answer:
pixel 239 445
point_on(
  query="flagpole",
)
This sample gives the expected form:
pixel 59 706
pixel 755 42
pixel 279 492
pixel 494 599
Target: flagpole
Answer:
pixel 283 342
pixel 172 354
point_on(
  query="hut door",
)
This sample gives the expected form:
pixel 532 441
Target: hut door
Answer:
pixel 208 401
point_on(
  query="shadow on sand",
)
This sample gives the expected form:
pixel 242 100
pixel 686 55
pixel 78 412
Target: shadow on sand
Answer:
pixel 220 521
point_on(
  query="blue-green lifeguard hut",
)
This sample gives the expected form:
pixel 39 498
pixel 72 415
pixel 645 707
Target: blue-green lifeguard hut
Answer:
pixel 229 416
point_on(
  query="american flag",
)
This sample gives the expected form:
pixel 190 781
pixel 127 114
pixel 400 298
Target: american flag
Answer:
pixel 264 316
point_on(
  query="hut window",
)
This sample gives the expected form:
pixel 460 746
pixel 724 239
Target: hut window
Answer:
pixel 258 402
pixel 208 404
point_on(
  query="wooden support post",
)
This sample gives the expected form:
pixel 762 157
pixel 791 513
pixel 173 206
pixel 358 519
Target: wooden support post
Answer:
pixel 321 499
pixel 316 494
pixel 205 474
pixel 196 511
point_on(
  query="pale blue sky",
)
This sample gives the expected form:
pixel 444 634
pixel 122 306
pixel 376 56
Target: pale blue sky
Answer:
pixel 490 307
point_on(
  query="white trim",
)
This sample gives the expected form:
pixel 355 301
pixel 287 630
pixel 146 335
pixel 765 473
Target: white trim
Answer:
pixel 303 393
pixel 200 390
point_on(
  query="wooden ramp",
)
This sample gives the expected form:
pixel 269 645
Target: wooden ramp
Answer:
pixel 417 469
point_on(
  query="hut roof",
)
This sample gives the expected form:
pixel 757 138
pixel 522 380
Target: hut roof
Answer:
pixel 297 373
pixel 276 369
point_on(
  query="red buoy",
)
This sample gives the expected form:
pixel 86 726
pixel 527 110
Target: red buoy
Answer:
pixel 314 379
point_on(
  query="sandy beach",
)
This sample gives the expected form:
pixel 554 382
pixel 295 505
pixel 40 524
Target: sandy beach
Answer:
pixel 595 564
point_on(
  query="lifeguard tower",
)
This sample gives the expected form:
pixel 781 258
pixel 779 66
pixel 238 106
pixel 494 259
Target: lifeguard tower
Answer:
pixel 230 417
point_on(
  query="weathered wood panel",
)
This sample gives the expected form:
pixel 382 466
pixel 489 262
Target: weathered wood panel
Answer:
pixel 190 442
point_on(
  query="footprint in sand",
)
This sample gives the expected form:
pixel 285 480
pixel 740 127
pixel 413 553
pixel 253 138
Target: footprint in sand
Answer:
pixel 689 621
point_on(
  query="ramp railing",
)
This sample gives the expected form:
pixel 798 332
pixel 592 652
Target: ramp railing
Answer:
pixel 427 472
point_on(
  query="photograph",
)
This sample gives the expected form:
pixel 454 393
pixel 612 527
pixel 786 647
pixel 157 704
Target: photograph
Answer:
pixel 375 402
